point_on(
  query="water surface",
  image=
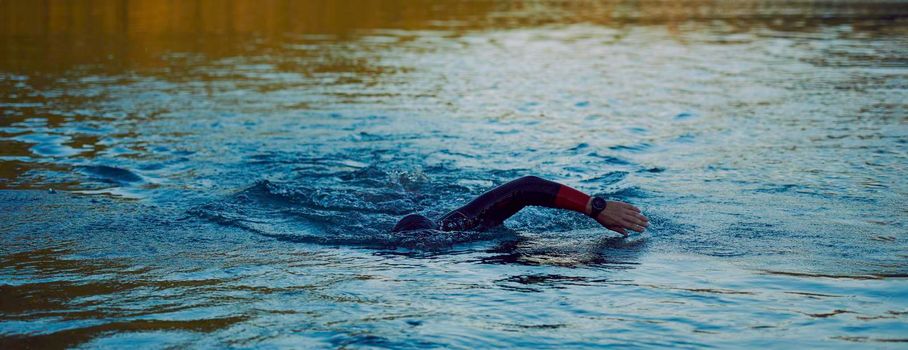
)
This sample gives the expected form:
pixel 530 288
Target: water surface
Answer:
pixel 225 174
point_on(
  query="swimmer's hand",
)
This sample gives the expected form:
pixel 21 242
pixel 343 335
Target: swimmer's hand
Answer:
pixel 620 217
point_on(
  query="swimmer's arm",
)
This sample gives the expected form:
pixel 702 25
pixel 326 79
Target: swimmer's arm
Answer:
pixel 500 203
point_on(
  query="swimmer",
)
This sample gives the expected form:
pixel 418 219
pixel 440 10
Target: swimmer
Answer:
pixel 495 206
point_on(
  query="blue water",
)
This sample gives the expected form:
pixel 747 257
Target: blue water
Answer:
pixel 182 176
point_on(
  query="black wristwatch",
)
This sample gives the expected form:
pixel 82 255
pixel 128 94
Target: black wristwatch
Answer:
pixel 597 206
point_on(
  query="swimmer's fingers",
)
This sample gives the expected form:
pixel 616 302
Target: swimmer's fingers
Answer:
pixel 627 223
pixel 635 219
pixel 618 229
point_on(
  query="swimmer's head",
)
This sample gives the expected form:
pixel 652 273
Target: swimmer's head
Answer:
pixel 414 222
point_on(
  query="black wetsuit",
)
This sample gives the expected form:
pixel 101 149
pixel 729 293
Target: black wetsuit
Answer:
pixel 495 206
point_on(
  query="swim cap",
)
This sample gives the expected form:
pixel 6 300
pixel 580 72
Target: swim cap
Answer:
pixel 414 222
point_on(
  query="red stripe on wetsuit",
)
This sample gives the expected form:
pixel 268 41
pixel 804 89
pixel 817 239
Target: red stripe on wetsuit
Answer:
pixel 571 199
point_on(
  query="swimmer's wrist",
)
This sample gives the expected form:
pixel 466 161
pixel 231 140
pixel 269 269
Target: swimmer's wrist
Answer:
pixel 595 206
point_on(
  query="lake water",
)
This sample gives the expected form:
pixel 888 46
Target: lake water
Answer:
pixel 225 173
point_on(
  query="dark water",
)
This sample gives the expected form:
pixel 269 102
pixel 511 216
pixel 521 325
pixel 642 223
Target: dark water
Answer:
pixel 225 173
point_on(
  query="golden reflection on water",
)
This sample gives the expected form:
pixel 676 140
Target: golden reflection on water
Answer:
pixel 43 35
pixel 46 36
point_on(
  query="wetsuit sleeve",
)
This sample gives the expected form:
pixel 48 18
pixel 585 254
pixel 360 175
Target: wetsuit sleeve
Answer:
pixel 495 206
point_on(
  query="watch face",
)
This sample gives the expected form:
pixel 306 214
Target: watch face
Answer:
pixel 598 203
